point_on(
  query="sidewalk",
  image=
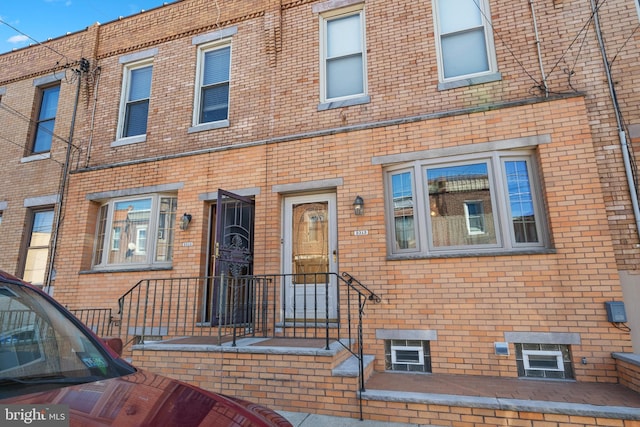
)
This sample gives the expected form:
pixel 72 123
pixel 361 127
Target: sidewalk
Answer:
pixel 299 419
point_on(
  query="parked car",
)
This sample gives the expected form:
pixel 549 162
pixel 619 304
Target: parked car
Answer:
pixel 53 367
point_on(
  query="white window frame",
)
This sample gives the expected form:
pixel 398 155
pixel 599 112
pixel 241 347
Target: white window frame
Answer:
pixel 200 64
pixel 419 349
pixel 505 234
pixel 638 7
pixel 103 241
pixel 124 101
pixel 474 78
pixel 558 355
pixel 351 99
pixel 39 120
pixel 468 217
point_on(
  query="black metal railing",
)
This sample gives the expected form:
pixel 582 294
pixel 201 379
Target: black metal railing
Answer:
pixel 325 306
pixel 99 320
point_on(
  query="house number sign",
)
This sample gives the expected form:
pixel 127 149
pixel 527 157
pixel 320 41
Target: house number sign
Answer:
pixel 361 232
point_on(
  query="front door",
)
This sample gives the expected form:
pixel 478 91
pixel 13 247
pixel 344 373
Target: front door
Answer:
pixel 232 257
pixel 310 253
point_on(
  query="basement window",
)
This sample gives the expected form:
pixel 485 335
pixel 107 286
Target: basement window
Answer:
pixel 549 361
pixel 407 355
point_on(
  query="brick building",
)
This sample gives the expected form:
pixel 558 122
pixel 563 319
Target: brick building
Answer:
pixel 499 209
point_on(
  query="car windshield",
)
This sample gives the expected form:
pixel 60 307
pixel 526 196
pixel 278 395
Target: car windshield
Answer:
pixel 41 348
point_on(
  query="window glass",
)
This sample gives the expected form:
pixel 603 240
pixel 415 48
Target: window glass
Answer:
pixel 487 204
pixel 214 97
pixel 521 204
pixel 456 221
pixel 140 231
pixel 46 119
pixel 137 108
pixel 344 56
pixel 403 223
pixel 463 36
pixel 38 249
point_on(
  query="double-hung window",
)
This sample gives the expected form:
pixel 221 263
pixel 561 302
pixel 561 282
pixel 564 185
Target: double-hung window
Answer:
pixel 464 42
pixel 136 232
pixel 343 58
pixel 486 202
pixel 134 106
pixel 214 73
pixel 46 120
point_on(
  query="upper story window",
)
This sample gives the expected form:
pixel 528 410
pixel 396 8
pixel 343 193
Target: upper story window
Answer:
pixel 134 107
pixel 46 119
pixel 343 59
pixel 487 202
pixel 212 97
pixel 465 47
pixel 136 232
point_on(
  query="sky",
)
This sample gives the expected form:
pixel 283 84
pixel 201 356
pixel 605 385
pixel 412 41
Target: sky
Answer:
pixel 23 21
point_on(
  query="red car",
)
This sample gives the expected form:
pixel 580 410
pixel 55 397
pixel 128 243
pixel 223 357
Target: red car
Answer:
pixel 55 371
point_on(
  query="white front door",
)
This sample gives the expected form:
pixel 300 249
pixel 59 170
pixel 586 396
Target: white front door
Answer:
pixel 310 253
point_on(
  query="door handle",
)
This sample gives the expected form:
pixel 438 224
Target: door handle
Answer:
pixel 335 255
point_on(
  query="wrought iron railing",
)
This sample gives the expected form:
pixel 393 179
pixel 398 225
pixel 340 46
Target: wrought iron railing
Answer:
pixel 222 309
pixel 99 320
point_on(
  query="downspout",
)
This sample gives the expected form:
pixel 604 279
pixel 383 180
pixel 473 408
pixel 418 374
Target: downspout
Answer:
pixel 535 27
pixel 621 133
pixel 84 66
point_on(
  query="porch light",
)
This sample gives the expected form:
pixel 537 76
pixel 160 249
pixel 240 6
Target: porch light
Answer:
pixel 358 206
pixel 184 222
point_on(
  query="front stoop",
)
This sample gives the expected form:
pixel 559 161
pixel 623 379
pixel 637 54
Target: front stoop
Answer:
pixel 301 376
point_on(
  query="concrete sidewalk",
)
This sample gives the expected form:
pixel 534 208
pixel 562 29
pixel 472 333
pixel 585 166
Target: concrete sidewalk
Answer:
pixel 299 419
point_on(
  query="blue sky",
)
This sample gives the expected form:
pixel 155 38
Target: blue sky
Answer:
pixel 44 19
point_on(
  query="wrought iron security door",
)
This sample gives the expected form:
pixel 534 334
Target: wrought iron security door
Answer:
pixel 233 258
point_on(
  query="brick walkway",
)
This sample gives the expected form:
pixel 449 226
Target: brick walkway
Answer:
pixel 508 388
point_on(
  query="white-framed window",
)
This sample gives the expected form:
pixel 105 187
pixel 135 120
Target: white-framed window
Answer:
pixel 638 7
pixel 483 202
pixel 551 361
pixel 343 60
pixel 464 39
pixel 134 104
pixel 46 119
pixel 407 355
pixel 135 232
pixel 213 84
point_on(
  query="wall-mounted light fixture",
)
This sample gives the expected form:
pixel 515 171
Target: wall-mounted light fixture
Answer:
pixel 358 206
pixel 184 221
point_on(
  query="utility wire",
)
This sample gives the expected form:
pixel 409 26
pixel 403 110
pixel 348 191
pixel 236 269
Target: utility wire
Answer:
pixel 34 123
pixel 31 38
pixel 36 154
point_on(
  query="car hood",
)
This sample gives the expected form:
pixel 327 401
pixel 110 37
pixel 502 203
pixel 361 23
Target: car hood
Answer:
pixel 147 399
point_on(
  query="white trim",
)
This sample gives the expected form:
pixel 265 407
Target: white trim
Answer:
pixel 419 349
pixel 558 355
pixel 197 125
pixel 124 100
pixel 330 14
pixel 474 78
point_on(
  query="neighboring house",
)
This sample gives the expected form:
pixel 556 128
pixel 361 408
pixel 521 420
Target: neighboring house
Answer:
pixel 480 135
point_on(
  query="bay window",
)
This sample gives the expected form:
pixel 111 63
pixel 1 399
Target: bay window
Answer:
pixel 136 232
pixel 482 203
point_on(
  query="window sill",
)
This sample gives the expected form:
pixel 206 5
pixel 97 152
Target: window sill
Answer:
pixel 128 141
pixel 208 126
pixel 518 252
pixel 470 81
pixel 36 157
pixel 121 269
pixel 365 99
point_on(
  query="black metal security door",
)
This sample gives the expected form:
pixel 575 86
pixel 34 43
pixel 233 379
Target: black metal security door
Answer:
pixel 233 258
